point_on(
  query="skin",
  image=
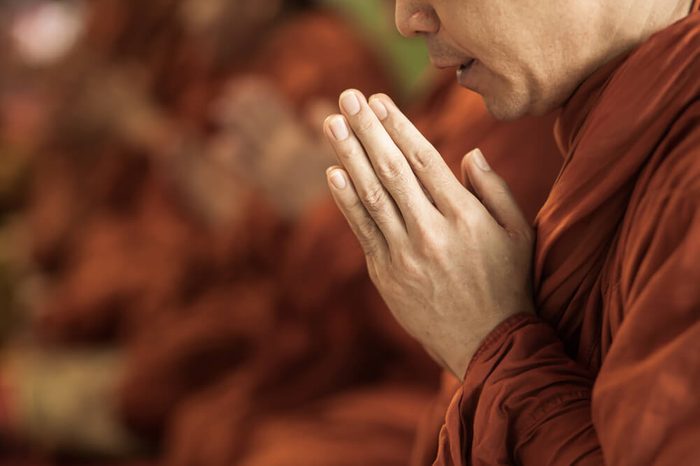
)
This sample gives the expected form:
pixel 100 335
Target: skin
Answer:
pixel 549 48
pixel 452 265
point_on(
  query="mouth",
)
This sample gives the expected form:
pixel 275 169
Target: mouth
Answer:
pixel 464 67
pixel 463 72
pixel 444 64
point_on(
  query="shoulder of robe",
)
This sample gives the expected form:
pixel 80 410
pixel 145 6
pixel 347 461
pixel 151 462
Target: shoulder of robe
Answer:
pixel 660 234
pixel 649 113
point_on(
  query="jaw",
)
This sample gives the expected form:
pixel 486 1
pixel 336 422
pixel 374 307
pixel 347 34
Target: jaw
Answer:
pixel 503 110
pixel 532 91
pixel 505 99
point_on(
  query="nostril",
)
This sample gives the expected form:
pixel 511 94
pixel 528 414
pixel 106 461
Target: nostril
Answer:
pixel 424 22
pixel 403 25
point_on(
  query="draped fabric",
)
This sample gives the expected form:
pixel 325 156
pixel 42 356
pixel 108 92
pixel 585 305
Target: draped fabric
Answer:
pixel 608 370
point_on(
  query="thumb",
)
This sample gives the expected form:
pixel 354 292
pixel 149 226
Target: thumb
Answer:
pixel 493 192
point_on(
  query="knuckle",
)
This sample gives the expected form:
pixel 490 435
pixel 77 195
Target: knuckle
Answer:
pixel 424 158
pixel 399 126
pixel 431 244
pixel 369 248
pixel 367 230
pixel 374 199
pixel 355 205
pixel 364 123
pixel 468 220
pixel 390 169
pixel 409 266
pixel 502 186
pixel 499 187
pixel 349 154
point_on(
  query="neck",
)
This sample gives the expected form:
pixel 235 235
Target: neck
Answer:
pixel 628 23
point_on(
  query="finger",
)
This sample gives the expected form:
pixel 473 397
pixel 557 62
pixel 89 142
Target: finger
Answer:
pixel 494 192
pixel 426 162
pixel 363 226
pixel 390 165
pixel 372 194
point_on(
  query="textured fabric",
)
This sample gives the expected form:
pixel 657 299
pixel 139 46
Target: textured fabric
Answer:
pixel 609 370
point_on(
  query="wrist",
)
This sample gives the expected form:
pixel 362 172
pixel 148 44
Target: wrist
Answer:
pixel 493 336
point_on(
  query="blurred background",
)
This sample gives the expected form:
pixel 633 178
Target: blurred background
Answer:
pixel 176 286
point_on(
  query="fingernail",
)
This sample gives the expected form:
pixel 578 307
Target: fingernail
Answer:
pixel 480 161
pixel 339 128
pixel 379 108
pixel 338 179
pixel 350 103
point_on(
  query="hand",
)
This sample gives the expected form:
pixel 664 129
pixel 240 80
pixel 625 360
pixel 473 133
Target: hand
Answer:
pixel 450 266
pixel 277 150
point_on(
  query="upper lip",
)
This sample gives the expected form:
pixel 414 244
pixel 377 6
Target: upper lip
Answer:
pixel 442 64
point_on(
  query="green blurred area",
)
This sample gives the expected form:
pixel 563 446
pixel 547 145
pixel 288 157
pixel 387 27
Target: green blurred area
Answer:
pixel 408 57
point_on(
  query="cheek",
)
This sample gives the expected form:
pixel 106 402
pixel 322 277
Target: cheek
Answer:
pixel 507 96
pixel 508 70
pixel 495 79
pixel 498 40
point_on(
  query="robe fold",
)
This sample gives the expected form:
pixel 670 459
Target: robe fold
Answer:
pixel 608 370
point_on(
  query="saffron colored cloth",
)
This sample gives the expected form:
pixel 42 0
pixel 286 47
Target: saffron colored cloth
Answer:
pixel 608 371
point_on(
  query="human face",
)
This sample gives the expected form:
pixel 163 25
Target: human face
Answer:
pixel 525 56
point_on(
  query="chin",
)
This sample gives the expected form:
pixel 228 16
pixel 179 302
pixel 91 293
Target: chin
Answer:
pixel 508 106
pixel 506 109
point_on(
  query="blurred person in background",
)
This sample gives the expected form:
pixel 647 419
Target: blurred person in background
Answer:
pixel 137 195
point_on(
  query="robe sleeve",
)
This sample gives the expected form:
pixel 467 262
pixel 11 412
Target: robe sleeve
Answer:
pixel 524 401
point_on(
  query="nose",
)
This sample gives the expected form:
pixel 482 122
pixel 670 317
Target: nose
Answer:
pixel 415 18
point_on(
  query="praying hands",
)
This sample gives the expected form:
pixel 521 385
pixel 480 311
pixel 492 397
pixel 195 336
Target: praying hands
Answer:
pixel 450 266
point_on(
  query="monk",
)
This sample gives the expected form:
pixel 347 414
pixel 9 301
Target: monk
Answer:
pixel 578 341
pixel 129 260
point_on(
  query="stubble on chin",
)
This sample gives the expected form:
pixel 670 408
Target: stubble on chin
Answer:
pixel 506 106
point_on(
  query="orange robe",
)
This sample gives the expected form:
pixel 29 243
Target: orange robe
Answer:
pixel 264 338
pixel 608 371
pixel 130 264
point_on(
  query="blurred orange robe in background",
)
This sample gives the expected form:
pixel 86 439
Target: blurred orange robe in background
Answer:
pixel 608 371
pixel 195 309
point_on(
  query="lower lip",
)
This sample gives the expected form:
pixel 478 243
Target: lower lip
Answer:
pixel 464 72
